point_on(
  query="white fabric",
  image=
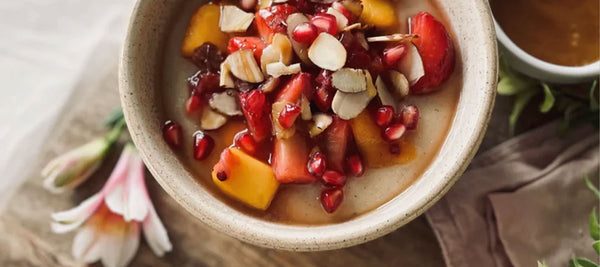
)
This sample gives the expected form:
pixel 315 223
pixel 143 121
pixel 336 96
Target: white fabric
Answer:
pixel 45 50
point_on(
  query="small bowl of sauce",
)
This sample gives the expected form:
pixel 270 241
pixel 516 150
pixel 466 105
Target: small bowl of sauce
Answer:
pixel 551 40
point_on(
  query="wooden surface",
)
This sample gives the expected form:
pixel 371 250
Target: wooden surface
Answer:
pixel 26 239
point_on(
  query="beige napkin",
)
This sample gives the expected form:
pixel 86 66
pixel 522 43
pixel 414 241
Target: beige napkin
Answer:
pixel 522 201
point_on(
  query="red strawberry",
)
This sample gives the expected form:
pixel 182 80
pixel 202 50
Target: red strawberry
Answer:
pixel 253 43
pixel 337 136
pixel 289 160
pixel 257 112
pixel 436 49
pixel 272 20
pixel 300 84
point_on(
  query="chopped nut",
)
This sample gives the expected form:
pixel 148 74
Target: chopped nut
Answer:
pixel 277 69
pixel 226 103
pixel 233 19
pixel 349 80
pixel 244 67
pixel 327 52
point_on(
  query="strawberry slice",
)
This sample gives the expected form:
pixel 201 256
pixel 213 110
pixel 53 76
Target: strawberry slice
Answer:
pixel 436 49
pixel 272 20
pixel 289 160
pixel 337 136
pixel 253 43
pixel 300 84
pixel 257 111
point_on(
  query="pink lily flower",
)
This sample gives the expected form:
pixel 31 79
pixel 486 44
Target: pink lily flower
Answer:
pixel 112 218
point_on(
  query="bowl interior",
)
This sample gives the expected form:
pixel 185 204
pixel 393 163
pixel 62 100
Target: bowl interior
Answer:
pixel 140 74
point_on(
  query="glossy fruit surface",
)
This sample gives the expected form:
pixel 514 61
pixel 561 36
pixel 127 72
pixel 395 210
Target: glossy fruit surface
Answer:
pixel 253 43
pixel 331 199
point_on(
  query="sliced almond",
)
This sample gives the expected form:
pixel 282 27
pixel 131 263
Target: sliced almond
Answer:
pixel 301 49
pixel 269 55
pixel 397 37
pixel 233 19
pixel 211 120
pixel 225 79
pixel 279 131
pixel 280 1
pixel 280 50
pixel 277 69
pixel 320 122
pixel 352 27
pixel 384 95
pixel 399 83
pixel 340 19
pixel 226 103
pixel 349 105
pixel 371 90
pixel 360 38
pixel 349 80
pixel 244 67
pixel 411 65
pixel 327 52
pixel 305 107
pixel 269 85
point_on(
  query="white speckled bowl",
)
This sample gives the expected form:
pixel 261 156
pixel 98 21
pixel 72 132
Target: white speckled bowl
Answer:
pixel 140 74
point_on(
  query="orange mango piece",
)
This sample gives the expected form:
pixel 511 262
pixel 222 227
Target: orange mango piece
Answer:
pixel 249 180
pixel 204 27
pixel 381 13
pixel 374 150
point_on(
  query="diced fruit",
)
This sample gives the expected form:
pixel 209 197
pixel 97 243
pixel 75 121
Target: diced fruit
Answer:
pixel 324 97
pixel 355 166
pixel 392 55
pixel 337 136
pixel 233 19
pixel 380 13
pixel 264 4
pixel 304 6
pixel 333 178
pixel 245 178
pixel 204 27
pixel 344 11
pixel 340 19
pixel 409 116
pixel 244 66
pixel 193 104
pixel 399 83
pixel 411 65
pixel 172 134
pixel 331 198
pixel 244 141
pixel 203 145
pixel 279 131
pixel 394 132
pixel 327 52
pixel 288 115
pixel 289 160
pixel 349 80
pixel 384 115
pixel 325 23
pixel 301 49
pixel 257 111
pixel 300 84
pixel 211 120
pixel 272 20
pixel 349 105
pixel 355 7
pixel 321 122
pixel 207 57
pixel 305 33
pixel 374 150
pixel 317 164
pixel 436 49
pixel 204 83
pixel 253 43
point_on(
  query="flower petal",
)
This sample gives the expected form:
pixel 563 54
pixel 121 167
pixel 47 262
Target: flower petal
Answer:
pixel 85 245
pixel 156 234
pixel 120 242
pixel 68 220
pixel 113 189
pixel 136 195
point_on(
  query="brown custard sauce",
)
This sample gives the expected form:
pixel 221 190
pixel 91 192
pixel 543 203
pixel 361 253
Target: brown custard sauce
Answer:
pixel 563 32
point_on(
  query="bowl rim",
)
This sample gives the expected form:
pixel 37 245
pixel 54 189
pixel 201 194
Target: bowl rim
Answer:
pixel 309 238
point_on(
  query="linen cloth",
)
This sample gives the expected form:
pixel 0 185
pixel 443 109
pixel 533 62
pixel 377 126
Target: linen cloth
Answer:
pixel 522 201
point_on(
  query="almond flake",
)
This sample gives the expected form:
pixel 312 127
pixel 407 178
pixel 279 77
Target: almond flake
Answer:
pixel 233 19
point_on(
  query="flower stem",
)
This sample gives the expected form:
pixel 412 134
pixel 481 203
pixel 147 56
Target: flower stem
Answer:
pixel 114 134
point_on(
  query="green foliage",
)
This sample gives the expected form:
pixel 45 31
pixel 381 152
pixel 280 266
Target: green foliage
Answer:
pixel 548 99
pixel 542 264
pixel 582 262
pixel 114 118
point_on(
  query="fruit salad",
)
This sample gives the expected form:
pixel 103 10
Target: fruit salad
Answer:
pixel 321 88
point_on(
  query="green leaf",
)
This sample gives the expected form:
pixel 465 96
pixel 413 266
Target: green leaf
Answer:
pixel 114 118
pixel 512 85
pixel 596 246
pixel 542 264
pixel 548 99
pixel 591 186
pixel 593 101
pixel 521 101
pixel 582 262
pixel 594 230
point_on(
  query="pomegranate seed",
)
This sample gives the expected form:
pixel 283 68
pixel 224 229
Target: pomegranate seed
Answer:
pixel 245 141
pixel 288 115
pixel 317 164
pixel 395 149
pixel 409 116
pixel 324 78
pixel 203 145
pixel 392 55
pixel 342 9
pixel 333 178
pixel 384 115
pixel 172 133
pixel 355 166
pixel 192 104
pixel 305 33
pixel 331 199
pixel 222 176
pixel 325 23
pixel 324 99
pixel 394 132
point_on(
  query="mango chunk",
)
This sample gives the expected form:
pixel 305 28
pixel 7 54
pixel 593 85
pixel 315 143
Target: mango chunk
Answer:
pixel 204 27
pixel 247 179
pixel 374 150
pixel 380 13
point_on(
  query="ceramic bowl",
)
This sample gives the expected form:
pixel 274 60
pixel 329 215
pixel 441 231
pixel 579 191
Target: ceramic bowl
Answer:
pixel 542 70
pixel 140 78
